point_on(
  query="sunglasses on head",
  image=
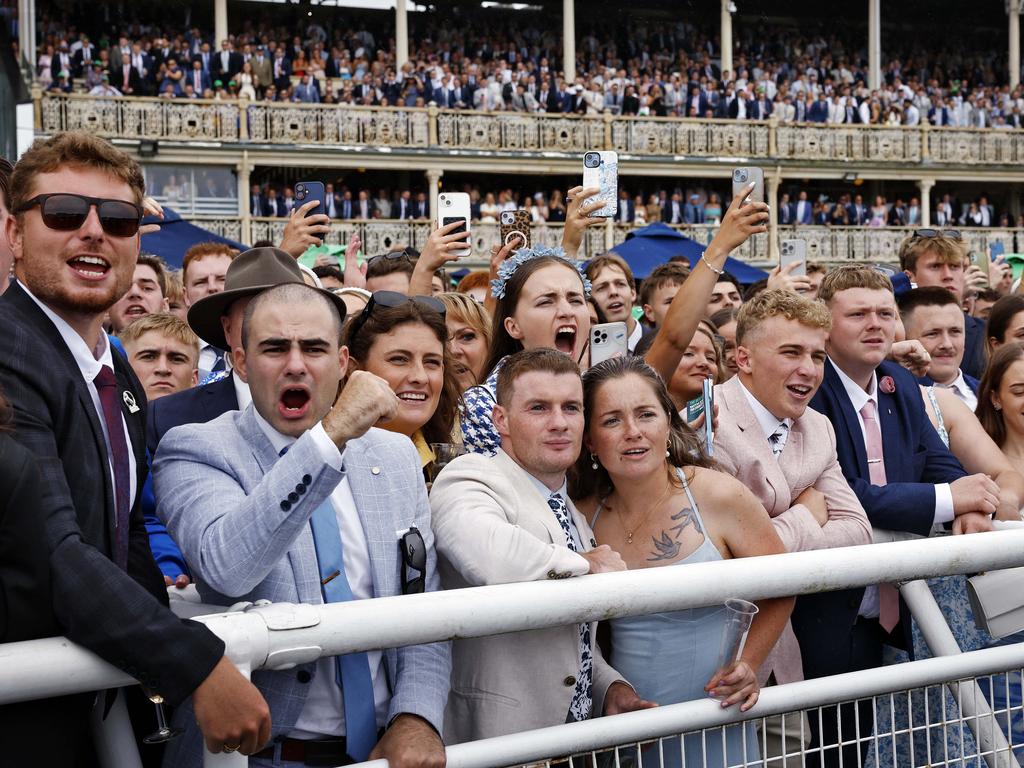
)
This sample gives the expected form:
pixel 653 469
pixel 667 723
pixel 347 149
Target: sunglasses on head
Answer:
pixel 414 558
pixel 393 256
pixel 392 299
pixel 64 211
pixel 953 233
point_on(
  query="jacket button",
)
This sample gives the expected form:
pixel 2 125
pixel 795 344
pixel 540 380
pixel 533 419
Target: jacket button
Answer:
pixel 552 575
pixel 300 488
pixel 853 603
pixel 286 505
pixel 307 479
pixel 293 497
pixel 570 680
pixel 375 471
pixel 303 676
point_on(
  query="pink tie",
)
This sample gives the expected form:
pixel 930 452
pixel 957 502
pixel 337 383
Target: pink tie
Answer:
pixel 888 596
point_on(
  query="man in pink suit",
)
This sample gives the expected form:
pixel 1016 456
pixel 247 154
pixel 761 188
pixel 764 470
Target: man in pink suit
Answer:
pixel 779 448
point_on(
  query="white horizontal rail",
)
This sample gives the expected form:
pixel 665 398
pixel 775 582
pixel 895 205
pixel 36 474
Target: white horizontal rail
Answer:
pixel 631 727
pixel 282 635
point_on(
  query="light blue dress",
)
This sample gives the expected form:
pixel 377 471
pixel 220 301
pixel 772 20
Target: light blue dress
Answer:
pixel 669 658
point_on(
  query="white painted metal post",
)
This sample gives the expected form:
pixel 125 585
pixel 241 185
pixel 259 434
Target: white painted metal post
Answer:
pixel 23 32
pixel 433 182
pixel 112 735
pixel 874 44
pixel 569 41
pixel 726 40
pixel 401 33
pixel 974 707
pixel 1013 11
pixel 220 22
pixel 774 181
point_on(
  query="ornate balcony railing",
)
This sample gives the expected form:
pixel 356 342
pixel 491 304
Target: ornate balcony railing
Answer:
pixel 830 245
pixel 243 122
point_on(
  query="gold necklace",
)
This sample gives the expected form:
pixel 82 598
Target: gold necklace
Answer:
pixel 629 533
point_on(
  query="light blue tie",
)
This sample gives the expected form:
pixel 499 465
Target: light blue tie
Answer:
pixel 353 669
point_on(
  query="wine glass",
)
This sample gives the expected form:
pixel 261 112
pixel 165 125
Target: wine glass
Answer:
pixel 163 731
pixel 443 453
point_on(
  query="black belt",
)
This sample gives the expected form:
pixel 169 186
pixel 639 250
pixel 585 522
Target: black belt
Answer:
pixel 322 752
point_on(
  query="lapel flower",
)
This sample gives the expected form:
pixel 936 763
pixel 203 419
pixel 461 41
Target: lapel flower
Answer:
pixel 887 385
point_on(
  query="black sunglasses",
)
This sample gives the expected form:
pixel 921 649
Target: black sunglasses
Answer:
pixel 393 256
pixel 391 299
pixel 953 233
pixel 414 558
pixel 65 211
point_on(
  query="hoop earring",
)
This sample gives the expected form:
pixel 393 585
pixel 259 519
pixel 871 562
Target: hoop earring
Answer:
pixel 593 461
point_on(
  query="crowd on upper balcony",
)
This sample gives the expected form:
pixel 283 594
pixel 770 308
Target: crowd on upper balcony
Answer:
pixel 511 62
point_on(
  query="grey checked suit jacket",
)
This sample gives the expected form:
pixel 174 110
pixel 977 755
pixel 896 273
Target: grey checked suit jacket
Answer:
pixel 223 493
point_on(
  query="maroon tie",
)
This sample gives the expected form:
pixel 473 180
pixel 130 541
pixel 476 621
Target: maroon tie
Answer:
pixel 106 386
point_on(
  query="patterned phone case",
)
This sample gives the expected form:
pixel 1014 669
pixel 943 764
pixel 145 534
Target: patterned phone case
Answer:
pixel 520 224
pixel 607 178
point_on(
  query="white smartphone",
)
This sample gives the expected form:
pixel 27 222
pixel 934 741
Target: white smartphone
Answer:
pixel 741 178
pixel 794 250
pixel 454 206
pixel 608 340
pixel 601 169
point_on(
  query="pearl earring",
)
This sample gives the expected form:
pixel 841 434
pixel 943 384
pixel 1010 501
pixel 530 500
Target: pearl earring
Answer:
pixel 668 450
pixel 593 461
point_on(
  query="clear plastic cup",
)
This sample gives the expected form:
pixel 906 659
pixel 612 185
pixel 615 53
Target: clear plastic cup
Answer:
pixel 739 615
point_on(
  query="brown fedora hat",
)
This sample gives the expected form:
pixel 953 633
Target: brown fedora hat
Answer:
pixel 251 272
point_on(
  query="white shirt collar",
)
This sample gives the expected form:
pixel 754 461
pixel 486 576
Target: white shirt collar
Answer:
pixel 635 336
pixel 858 397
pixel 961 388
pixel 279 441
pixel 242 392
pixel 765 418
pixel 89 360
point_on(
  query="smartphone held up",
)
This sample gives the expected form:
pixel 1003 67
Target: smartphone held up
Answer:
pixel 454 207
pixel 601 170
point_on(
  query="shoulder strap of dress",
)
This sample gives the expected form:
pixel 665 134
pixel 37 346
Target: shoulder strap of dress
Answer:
pixel 940 423
pixel 689 496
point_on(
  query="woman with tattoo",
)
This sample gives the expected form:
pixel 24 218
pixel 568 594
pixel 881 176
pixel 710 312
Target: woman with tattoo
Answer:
pixel 653 495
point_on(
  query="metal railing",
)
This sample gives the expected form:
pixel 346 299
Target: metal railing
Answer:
pixel 828 245
pixel 280 635
pixel 668 138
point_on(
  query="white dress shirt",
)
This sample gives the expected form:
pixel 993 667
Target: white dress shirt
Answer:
pixel 961 389
pixel 546 492
pixel 634 337
pixel 323 713
pixel 89 362
pixel 768 422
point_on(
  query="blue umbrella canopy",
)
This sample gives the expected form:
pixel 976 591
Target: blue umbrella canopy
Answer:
pixel 646 248
pixel 176 236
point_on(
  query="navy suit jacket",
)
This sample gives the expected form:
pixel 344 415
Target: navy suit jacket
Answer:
pixel 197 405
pixel 915 458
pixel 915 461
pixel 973 363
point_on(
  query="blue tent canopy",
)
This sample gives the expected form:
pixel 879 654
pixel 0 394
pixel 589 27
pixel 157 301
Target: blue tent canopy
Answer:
pixel 644 249
pixel 176 236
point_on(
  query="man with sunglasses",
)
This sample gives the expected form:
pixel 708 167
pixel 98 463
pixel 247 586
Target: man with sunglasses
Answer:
pixel 297 498
pixel 391 271
pixel 79 408
pixel 938 257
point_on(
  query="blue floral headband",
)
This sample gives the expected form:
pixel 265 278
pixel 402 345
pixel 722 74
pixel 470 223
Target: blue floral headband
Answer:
pixel 523 255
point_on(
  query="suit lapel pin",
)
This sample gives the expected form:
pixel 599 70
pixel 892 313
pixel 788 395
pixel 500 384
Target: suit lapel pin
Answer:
pixel 375 470
pixel 129 400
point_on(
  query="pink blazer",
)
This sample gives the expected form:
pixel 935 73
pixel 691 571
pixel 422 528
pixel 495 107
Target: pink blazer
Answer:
pixel 809 459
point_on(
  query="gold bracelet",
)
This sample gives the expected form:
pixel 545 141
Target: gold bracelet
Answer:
pixel 709 265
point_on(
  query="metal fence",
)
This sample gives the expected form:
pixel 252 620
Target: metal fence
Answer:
pixel 346 126
pixel 275 636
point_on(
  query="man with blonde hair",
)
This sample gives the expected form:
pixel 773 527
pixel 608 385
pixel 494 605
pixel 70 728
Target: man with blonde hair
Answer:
pixel 933 257
pixel 782 450
pixel 902 473
pixel 164 353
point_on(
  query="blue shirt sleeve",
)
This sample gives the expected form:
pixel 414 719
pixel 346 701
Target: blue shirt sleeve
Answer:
pixel 166 553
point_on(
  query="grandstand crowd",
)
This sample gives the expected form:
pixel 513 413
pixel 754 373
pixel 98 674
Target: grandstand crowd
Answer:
pixel 254 429
pixel 497 62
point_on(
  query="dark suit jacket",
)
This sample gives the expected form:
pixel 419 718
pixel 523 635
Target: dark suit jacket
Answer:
pixel 122 617
pixel 915 461
pixel 197 405
pixel 973 363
